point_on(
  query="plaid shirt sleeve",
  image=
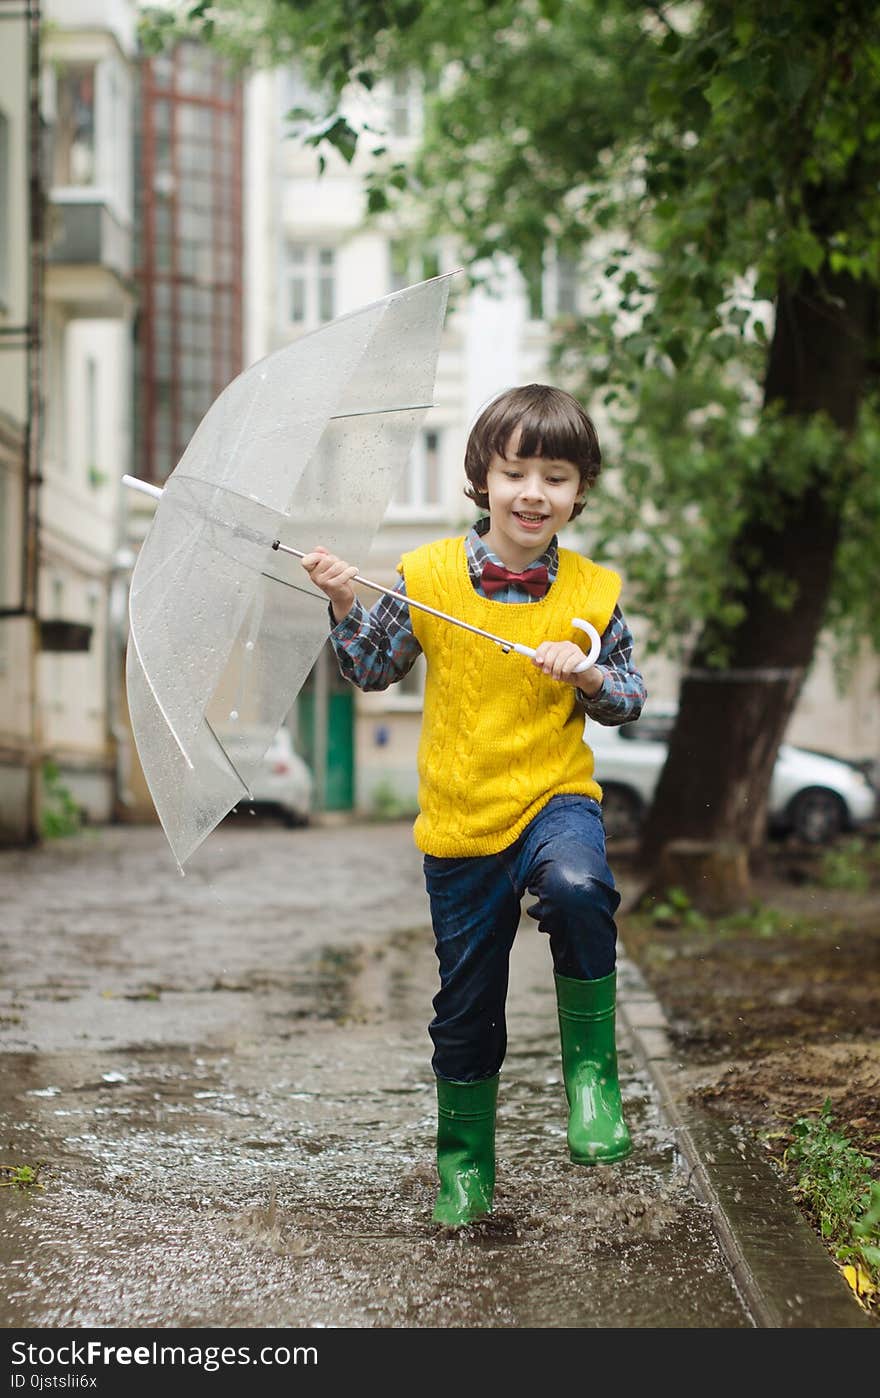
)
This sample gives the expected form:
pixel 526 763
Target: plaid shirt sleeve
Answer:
pixel 623 690
pixel 375 648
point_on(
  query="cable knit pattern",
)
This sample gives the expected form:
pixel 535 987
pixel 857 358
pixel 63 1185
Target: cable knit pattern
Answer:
pixel 499 739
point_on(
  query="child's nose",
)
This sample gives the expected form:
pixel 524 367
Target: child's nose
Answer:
pixel 533 487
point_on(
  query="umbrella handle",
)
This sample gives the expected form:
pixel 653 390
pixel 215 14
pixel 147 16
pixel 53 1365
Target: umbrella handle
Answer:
pixel 592 654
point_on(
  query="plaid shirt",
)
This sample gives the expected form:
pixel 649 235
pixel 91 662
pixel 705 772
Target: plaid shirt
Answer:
pixel 377 648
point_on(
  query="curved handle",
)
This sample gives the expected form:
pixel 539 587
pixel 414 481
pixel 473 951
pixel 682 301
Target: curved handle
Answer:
pixel 595 643
pixel 591 657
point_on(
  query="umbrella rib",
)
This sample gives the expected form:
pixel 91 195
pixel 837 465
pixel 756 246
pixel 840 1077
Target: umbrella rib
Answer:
pixel 247 790
pixel 306 591
pixel 373 412
pixel 132 631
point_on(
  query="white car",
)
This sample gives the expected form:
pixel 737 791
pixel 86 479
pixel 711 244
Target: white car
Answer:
pixel 282 783
pixel 814 795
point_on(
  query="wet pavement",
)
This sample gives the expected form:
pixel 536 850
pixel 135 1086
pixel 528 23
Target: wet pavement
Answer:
pixel 227 1079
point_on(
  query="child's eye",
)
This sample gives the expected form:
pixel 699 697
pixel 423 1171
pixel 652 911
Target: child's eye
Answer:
pixel 512 475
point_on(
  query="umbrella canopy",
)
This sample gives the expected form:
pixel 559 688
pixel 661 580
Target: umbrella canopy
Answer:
pixel 303 447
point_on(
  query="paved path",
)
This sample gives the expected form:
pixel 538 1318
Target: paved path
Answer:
pixel 227 1076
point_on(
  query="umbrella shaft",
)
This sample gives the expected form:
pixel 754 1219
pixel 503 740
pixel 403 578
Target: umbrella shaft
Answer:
pixel 422 606
pixel 157 492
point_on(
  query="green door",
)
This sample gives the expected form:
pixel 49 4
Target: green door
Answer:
pixel 339 771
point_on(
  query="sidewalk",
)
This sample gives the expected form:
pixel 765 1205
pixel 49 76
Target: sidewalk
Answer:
pixel 781 1268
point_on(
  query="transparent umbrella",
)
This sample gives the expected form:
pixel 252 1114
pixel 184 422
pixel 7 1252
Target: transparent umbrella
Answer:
pixel 304 446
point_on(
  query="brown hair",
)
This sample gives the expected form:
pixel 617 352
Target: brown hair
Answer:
pixel 552 424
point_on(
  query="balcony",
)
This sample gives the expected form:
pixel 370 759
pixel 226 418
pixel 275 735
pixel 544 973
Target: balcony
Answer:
pixel 89 256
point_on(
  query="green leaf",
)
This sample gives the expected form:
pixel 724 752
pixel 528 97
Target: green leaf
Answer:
pixel 343 138
pixel 720 90
pixel 676 348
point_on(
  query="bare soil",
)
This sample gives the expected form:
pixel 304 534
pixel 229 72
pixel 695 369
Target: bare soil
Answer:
pixel 778 1008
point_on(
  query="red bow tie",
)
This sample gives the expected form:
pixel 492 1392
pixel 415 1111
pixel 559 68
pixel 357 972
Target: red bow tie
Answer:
pixel 535 581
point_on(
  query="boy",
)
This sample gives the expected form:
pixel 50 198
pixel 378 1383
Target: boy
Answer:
pixel 507 798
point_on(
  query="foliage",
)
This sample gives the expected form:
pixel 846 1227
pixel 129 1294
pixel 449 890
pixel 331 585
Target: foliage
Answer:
pixel 96 478
pixel 388 804
pixel 836 1186
pixel 851 866
pixel 675 911
pixel 693 159
pixel 60 814
pixel 21 1176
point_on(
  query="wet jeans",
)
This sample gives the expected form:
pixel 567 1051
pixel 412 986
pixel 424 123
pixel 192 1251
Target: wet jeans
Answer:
pixel 475 908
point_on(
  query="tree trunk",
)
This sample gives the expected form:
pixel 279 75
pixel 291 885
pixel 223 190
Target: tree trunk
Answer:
pixel 715 783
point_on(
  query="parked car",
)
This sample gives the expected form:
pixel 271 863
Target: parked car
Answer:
pixel 814 795
pixel 282 784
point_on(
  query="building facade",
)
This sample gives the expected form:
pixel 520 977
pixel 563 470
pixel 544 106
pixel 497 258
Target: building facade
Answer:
pixel 120 322
pixel 89 74
pixel 21 328
pixel 188 261
pixel 312 253
pixel 68 306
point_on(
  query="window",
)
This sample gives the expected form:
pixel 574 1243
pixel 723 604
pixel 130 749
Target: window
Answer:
pixel 411 263
pixel 115 144
pixel 311 283
pixel 298 94
pixel 566 288
pixel 92 419
pixel 552 288
pixel 74 145
pixel 405 105
pixel 189 332
pixel 419 491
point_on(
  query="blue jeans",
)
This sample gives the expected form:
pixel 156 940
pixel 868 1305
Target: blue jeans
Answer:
pixel 475 909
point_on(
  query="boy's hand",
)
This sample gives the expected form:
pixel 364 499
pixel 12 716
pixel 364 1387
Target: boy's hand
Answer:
pixel 333 576
pixel 560 659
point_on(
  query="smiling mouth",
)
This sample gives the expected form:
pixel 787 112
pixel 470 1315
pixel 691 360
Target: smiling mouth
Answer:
pixel 529 519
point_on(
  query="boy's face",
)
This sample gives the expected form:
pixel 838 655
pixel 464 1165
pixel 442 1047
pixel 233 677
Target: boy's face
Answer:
pixel 530 500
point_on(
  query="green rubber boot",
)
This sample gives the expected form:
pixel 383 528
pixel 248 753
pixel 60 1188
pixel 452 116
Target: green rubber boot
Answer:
pixel 597 1131
pixel 465 1150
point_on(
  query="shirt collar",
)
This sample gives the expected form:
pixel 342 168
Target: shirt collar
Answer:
pixel 478 553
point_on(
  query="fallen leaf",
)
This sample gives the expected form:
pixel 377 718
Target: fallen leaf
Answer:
pixel 859 1280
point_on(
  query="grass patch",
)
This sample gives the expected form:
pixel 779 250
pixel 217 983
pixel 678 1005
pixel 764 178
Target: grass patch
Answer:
pixel 835 1186
pixel 675 911
pixel 21 1176
pixel 59 813
pixel 853 866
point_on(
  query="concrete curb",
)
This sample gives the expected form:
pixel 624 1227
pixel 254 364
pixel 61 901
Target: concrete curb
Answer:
pixel 782 1270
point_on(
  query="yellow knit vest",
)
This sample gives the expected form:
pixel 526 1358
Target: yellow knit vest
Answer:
pixel 499 739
